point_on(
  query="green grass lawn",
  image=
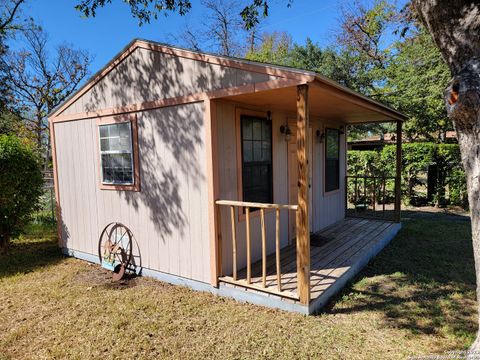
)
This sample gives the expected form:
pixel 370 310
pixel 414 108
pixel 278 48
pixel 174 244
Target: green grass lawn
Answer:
pixel 416 297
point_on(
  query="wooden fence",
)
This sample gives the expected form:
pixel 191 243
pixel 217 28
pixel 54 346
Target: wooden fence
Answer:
pixel 372 196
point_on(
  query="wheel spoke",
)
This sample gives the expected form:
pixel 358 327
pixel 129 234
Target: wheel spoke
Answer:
pixel 115 244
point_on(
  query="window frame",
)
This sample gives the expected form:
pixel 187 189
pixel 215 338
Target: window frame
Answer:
pixel 110 120
pixel 325 171
pixel 253 113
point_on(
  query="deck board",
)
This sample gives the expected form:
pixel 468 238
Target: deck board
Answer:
pixel 350 242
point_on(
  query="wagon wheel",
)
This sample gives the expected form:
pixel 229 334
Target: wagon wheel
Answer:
pixel 115 249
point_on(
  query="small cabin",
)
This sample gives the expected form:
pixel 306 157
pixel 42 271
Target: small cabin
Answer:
pixel 230 174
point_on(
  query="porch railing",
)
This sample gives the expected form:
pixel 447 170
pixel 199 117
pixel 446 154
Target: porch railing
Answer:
pixel 235 207
pixel 372 196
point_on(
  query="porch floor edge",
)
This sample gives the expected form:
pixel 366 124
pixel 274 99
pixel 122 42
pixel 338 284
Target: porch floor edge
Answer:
pixel 263 299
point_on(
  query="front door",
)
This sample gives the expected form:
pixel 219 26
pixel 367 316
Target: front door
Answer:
pixel 293 179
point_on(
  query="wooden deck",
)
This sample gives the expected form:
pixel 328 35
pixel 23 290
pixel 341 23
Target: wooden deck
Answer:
pixel 342 250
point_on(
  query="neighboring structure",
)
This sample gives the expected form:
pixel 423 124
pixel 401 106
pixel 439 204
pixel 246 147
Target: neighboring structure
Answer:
pixel 373 142
pixel 188 149
pixel 377 142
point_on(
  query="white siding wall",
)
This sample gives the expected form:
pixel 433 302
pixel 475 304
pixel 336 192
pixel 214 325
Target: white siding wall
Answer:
pixel 328 208
pixel 168 217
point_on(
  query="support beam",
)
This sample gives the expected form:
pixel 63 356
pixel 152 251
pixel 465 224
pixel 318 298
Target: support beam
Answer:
pixel 398 175
pixel 303 224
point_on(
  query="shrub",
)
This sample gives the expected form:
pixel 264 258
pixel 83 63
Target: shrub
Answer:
pixel 20 186
pixel 416 158
pixel 453 178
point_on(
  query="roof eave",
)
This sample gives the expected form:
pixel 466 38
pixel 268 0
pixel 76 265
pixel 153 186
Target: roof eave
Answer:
pixel 396 115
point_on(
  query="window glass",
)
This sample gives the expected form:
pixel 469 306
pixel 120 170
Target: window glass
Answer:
pixel 332 160
pixel 247 129
pixel 257 129
pixel 332 144
pixel 116 153
pixel 257 150
pixel 256 159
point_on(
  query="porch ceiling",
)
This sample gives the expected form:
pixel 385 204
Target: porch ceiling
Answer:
pixel 326 101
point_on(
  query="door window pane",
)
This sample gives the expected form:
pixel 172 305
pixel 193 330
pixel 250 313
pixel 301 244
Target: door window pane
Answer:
pixel 257 159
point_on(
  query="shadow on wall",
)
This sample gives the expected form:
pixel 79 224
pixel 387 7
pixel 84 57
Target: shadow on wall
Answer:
pixel 136 265
pixel 171 139
pixel 149 75
pixel 169 151
pixel 65 233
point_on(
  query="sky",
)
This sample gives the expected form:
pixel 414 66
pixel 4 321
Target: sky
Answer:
pixel 113 27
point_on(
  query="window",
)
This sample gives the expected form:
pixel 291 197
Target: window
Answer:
pixel 332 160
pixel 256 135
pixel 116 154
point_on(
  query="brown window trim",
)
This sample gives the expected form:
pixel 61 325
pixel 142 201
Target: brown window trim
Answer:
pixel 132 118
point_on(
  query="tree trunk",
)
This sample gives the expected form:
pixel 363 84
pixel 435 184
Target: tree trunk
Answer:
pixel 466 116
pixel 455 28
pixel 4 241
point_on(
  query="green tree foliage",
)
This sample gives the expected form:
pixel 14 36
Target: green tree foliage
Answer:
pixel 363 43
pixel 401 68
pixel 278 48
pixel 415 79
pixel 275 48
pixel 11 123
pixel 400 65
pixel 146 10
pixel 21 185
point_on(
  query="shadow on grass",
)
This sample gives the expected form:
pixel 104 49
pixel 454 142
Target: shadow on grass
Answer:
pixel 37 248
pixel 453 214
pixel 424 281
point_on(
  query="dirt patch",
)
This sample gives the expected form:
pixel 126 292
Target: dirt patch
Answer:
pixel 95 276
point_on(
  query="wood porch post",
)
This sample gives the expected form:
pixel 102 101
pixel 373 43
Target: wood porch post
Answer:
pixel 303 225
pixel 398 175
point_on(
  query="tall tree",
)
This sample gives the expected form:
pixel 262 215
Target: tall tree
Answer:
pixel 221 30
pixel 9 10
pixel 39 82
pixel 222 26
pixel 415 78
pixel 388 55
pixel 455 28
pixel 146 10
pixel 188 38
pixel 275 48
pixel 9 24
pixel 364 42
